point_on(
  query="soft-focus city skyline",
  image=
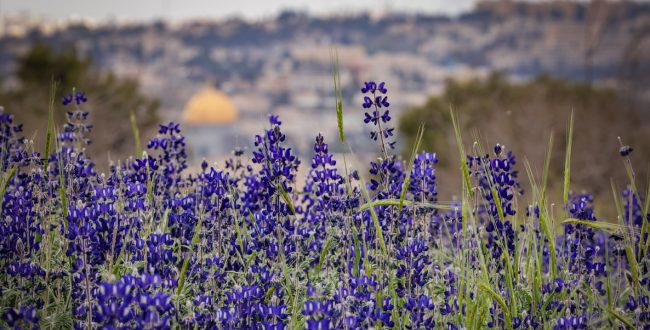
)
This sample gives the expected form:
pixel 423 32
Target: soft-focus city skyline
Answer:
pixel 177 10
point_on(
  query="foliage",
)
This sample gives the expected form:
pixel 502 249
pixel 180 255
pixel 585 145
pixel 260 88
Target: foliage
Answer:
pixel 522 115
pixel 113 100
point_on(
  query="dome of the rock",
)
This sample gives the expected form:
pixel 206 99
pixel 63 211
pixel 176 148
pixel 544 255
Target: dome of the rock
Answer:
pixel 209 107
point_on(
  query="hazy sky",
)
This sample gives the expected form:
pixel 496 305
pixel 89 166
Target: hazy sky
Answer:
pixel 188 9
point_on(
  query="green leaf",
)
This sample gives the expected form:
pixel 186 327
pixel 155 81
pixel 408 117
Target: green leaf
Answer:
pixel 323 254
pixel 523 297
pixel 357 254
pixel 250 259
pixel 268 294
pixel 287 199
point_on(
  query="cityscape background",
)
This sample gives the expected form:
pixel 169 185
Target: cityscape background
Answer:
pixel 177 10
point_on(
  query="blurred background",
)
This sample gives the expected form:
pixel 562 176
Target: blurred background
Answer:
pixel 513 71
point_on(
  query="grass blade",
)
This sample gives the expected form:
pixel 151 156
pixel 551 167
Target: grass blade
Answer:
pixel 62 192
pixel 608 227
pixel 50 126
pixel 375 220
pixel 547 165
pixel 461 152
pixel 502 303
pixel 567 160
pixel 136 135
pixel 334 56
pixel 373 215
pixel 398 202
pixel 407 180
pixel 621 318
pixel 10 174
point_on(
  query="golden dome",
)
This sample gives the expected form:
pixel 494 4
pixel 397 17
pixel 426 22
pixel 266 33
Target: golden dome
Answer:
pixel 209 106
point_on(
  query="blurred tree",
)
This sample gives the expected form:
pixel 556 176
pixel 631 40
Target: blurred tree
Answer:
pixel 41 64
pixel 521 116
pixel 111 100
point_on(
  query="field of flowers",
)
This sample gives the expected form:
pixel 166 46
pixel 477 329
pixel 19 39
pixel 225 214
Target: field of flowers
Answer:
pixel 244 246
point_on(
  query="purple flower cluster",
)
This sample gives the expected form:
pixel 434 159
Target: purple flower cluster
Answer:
pixel 376 102
pixel 132 302
pixel 249 246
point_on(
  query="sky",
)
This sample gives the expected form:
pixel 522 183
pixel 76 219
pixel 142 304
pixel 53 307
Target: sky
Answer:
pixel 179 10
